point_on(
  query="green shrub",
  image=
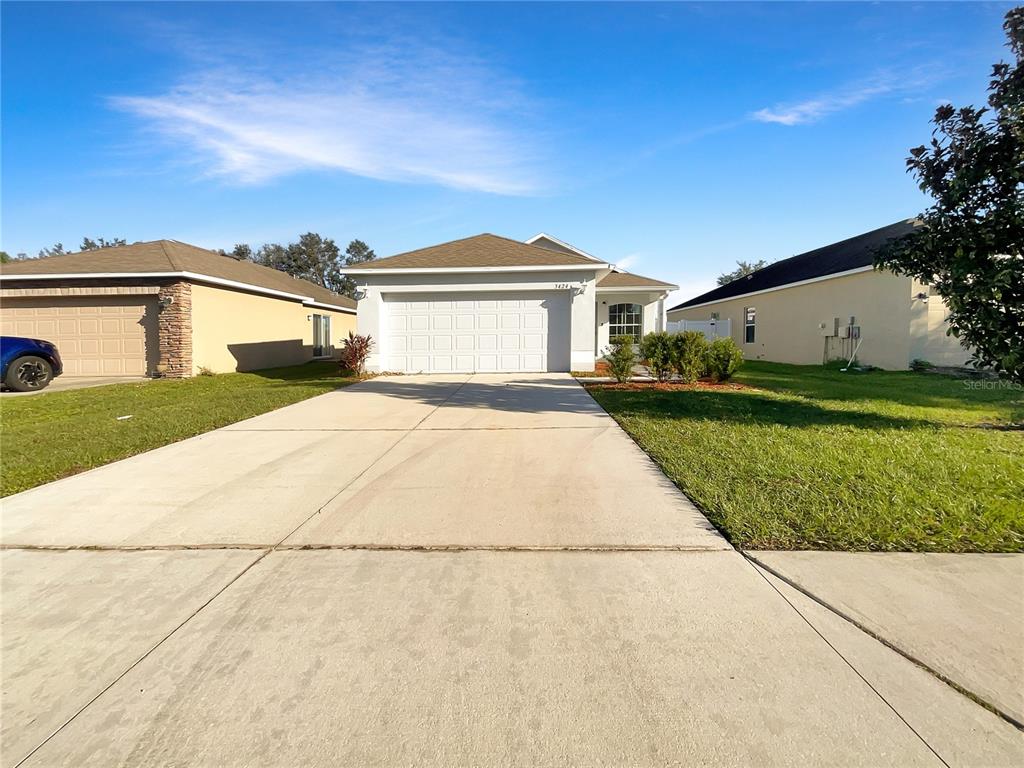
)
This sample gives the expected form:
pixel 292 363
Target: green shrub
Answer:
pixel 656 350
pixel 920 365
pixel 724 357
pixel 690 355
pixel 620 357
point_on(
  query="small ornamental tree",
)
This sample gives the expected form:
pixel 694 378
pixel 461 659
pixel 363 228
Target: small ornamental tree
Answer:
pixel 689 355
pixel 971 247
pixel 354 351
pixel 656 350
pixel 621 357
pixel 724 358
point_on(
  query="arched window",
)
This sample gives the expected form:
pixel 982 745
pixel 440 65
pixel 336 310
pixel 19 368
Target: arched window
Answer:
pixel 626 320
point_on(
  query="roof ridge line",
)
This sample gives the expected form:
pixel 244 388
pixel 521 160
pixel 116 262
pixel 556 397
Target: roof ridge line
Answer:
pixel 170 259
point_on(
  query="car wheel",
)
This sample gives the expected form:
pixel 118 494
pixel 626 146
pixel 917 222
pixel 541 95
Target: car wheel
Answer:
pixel 28 373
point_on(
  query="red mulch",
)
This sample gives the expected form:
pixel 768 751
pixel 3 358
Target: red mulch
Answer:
pixel 667 386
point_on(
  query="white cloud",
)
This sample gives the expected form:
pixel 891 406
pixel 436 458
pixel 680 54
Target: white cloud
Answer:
pixel 410 116
pixel 813 110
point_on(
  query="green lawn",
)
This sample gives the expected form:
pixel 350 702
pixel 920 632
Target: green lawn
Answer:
pixel 54 434
pixel 819 459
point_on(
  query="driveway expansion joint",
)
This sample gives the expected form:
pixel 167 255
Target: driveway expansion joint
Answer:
pixel 754 564
pixel 966 692
pixel 364 547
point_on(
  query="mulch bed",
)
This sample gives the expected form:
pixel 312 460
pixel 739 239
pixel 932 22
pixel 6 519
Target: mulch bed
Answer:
pixel 667 386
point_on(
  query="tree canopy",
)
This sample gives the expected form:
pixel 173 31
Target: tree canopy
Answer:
pixel 743 268
pixel 88 244
pixel 312 258
pixel 971 247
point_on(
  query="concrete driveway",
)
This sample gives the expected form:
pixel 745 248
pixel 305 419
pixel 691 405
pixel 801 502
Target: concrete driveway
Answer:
pixel 63 383
pixel 431 570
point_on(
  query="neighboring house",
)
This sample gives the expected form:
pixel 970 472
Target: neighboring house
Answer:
pixel 166 308
pixel 817 306
pixel 488 303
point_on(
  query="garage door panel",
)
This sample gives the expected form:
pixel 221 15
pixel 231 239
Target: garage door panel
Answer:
pixel 96 335
pixel 532 362
pixel 477 332
pixel 533 322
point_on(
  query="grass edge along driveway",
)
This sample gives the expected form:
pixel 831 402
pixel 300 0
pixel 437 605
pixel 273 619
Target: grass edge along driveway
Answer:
pixel 56 434
pixel 808 457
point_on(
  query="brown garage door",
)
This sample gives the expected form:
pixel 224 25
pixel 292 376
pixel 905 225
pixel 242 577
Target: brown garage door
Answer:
pixel 96 335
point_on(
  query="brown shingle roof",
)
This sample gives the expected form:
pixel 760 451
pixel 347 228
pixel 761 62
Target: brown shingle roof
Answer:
pixel 172 256
pixel 627 280
pixel 480 251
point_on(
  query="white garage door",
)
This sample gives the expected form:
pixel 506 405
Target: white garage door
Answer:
pixel 466 333
pixel 101 335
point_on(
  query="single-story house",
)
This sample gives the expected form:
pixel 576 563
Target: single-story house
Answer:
pixel 820 305
pixel 488 303
pixel 169 309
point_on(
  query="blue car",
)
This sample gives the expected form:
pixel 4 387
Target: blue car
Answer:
pixel 28 364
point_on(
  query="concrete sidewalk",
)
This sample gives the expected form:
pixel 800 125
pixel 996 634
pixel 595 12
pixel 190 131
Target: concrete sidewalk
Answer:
pixel 961 615
pixel 249 602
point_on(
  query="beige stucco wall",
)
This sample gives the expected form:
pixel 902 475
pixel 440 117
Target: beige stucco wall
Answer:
pixel 788 321
pixel 240 331
pixel 928 339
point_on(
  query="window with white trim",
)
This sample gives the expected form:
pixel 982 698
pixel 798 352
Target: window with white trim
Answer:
pixel 749 318
pixel 626 320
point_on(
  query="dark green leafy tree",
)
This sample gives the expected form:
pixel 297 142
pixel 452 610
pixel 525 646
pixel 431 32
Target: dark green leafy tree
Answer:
pixel 356 253
pixel 272 255
pixel 5 257
pixel 57 249
pixel 88 244
pixel 312 258
pixel 971 247
pixel 743 268
pixel 316 259
pixel 241 252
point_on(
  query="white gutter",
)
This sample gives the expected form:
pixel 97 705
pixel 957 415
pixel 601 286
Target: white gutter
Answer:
pixel 458 270
pixel 181 275
pixel 798 283
pixel 648 288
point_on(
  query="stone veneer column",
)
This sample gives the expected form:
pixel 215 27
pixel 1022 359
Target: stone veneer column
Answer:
pixel 175 331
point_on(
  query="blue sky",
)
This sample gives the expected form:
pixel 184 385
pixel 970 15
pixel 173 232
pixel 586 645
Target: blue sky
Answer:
pixel 673 139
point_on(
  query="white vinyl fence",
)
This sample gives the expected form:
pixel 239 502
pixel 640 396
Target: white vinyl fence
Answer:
pixel 712 329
